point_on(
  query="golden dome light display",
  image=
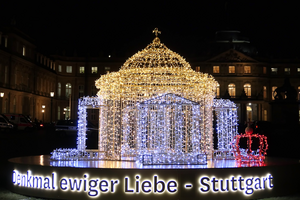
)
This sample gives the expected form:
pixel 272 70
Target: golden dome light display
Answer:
pixel 156 110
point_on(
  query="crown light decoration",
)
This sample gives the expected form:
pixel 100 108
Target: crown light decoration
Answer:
pixel 156 110
pixel 249 155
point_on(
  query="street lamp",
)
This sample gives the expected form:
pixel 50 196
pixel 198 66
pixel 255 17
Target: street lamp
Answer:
pixel 51 95
pixel 43 111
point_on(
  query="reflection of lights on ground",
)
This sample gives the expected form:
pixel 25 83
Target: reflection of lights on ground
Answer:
pixel 220 163
pixel 41 159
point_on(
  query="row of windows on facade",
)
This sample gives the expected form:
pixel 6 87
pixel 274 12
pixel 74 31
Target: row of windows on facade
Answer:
pixel 4 41
pixel 216 69
pixel 247 89
pixel 231 90
pixel 39 58
pixel 232 93
pixel 68 90
pixel 26 80
pixel 92 115
pixel 94 70
pixel 247 70
pixel 45 61
pixel 6 104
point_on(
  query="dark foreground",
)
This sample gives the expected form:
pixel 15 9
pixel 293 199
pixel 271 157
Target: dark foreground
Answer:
pixel 282 143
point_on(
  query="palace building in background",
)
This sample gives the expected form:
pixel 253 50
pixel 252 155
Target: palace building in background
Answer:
pixel 28 77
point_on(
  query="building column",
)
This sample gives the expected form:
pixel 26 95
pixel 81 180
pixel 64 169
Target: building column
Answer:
pixel 260 112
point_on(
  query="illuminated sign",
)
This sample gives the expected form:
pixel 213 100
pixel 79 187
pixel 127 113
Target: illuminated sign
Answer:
pixel 34 181
pixel 248 184
pixel 94 186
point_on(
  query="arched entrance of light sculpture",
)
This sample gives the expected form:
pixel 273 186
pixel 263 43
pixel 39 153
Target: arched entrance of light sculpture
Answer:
pixel 226 128
pixel 85 103
pixel 168 131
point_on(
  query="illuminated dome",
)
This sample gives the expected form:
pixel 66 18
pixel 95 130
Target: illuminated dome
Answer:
pixel 156 55
pixel 156 70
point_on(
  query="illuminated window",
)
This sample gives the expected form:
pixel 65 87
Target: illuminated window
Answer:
pixel 59 68
pixel 107 69
pixel 198 69
pixel 231 90
pixel 299 93
pixel 58 89
pixel 94 70
pixel 265 70
pixel 273 92
pixel 69 69
pixel 231 69
pixel 265 115
pixel 218 90
pixel 287 71
pixel 23 51
pixel 298 70
pixel 247 69
pixel 216 69
pixel 68 90
pixel 81 70
pixel 265 92
pixel 273 70
pixel 247 89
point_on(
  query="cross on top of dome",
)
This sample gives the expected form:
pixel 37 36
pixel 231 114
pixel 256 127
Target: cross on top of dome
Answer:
pixel 156 31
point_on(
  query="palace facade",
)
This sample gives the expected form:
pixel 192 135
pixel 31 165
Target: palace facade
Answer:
pixel 27 78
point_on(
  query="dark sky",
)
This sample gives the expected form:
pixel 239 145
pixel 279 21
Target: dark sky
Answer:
pixel 124 28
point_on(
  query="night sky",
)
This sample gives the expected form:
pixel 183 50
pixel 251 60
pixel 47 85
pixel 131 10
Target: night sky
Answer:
pixel 122 28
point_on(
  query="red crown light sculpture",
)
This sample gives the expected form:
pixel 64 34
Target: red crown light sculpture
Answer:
pixel 249 155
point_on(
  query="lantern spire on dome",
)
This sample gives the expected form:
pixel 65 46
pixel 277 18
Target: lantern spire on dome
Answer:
pixel 156 31
pixel 156 40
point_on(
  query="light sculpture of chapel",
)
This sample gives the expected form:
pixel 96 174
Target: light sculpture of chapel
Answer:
pixel 156 110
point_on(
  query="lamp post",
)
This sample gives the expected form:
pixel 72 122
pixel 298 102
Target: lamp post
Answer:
pixel 51 95
pixel 1 95
pixel 43 111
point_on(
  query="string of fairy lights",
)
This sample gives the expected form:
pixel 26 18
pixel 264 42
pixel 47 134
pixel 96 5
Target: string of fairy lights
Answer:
pixel 156 109
pixel 226 127
pixel 246 155
pixel 172 131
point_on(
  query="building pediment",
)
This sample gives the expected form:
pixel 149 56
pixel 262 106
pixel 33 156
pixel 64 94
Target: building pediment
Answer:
pixel 231 55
